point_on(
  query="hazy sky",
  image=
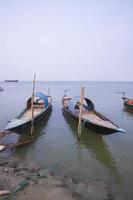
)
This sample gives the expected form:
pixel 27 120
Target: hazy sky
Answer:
pixel 66 39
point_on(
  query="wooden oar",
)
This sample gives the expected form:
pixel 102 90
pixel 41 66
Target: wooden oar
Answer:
pixel 32 106
pixel 82 91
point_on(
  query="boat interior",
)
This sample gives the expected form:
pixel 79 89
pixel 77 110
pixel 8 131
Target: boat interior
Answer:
pixel 38 107
pixel 90 114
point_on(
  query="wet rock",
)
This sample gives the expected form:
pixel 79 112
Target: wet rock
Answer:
pixel 69 184
pixel 81 188
pixel 54 182
pixel 43 173
pixel 92 191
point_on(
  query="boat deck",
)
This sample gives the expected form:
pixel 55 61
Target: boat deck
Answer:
pixel 28 113
pixel 92 117
pixel 37 109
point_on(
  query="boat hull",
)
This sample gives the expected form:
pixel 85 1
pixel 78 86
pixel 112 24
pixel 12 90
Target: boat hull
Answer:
pixel 27 125
pixel 128 106
pixel 128 103
pixel 91 126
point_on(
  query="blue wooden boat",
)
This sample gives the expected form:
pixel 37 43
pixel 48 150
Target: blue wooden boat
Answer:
pixel 90 117
pixel 41 107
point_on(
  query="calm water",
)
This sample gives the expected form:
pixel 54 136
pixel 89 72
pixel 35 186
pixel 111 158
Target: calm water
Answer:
pixel 94 157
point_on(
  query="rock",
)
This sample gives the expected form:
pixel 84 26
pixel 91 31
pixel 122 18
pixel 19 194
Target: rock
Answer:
pixel 43 185
pixel 54 182
pixel 93 191
pixel 6 171
pixel 69 184
pixel 81 188
pixel 43 173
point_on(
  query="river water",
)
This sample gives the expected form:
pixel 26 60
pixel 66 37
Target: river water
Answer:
pixel 97 157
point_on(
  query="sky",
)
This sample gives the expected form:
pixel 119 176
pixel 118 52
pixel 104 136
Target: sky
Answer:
pixel 70 40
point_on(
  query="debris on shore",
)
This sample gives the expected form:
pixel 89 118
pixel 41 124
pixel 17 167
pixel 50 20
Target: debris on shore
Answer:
pixel 2 147
pixel 4 192
pixel 44 185
pixel 11 146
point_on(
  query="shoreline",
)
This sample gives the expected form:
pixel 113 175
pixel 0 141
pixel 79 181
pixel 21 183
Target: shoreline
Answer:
pixel 40 184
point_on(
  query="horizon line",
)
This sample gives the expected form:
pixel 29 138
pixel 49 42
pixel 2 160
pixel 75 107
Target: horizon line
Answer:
pixel 74 80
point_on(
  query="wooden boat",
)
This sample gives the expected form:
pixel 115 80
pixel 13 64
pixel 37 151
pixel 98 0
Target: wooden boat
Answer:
pixel 90 117
pixel 12 80
pixel 41 107
pixel 128 103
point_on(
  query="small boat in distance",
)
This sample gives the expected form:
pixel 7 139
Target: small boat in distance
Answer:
pixel 90 117
pixel 128 102
pixel 15 80
pixel 1 89
pixel 41 107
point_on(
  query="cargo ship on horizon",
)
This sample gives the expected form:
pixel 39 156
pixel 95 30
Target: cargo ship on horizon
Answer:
pixel 15 80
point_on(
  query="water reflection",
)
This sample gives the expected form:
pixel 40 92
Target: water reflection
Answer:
pixel 128 111
pixel 39 130
pixel 96 146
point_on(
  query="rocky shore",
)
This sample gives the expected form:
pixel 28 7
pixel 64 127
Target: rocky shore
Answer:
pixel 39 184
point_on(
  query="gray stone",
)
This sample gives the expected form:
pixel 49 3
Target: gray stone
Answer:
pixel 93 191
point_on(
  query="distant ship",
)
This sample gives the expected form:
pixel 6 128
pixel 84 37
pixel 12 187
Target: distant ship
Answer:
pixel 1 89
pixel 11 80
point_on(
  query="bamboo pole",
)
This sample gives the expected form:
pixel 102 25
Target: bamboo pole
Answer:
pixel 32 106
pixel 82 91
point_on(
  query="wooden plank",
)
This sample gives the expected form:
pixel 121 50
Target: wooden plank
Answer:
pixel 32 106
pixel 82 91
pixel 92 117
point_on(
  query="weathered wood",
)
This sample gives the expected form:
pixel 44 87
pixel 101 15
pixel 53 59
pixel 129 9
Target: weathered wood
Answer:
pixel 32 106
pixel 90 117
pixel 4 192
pixel 13 145
pixel 80 110
pixel 21 143
pixel 24 118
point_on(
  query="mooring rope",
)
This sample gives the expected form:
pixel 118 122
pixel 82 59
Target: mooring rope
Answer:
pixel 23 184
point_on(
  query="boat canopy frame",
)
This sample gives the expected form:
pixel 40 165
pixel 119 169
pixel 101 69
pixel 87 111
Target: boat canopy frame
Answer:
pixel 40 95
pixel 73 102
